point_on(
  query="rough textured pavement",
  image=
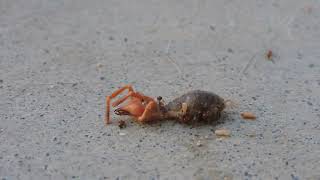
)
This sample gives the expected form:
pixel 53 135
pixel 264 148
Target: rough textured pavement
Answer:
pixel 58 60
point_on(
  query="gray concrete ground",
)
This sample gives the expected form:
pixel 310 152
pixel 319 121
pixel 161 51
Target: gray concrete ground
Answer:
pixel 58 60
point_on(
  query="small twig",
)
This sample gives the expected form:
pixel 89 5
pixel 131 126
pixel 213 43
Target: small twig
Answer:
pixel 248 64
pixel 175 64
pixel 167 52
pixel 168 48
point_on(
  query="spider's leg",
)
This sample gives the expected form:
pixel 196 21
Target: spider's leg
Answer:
pixel 149 113
pixel 113 95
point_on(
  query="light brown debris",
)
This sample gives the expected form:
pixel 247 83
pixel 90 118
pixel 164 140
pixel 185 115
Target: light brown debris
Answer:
pixel 222 132
pixel 248 115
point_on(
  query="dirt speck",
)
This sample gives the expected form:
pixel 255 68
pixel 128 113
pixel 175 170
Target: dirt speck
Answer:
pixel 122 124
pixel 212 28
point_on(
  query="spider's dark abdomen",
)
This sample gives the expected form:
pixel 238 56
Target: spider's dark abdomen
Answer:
pixel 201 106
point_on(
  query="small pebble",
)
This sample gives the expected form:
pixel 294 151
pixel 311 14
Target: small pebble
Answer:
pixel 122 134
pixel 222 132
pixel 199 143
pixel 99 65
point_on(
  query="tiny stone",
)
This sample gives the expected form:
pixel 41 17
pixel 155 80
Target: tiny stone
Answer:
pixel 102 78
pixel 222 132
pixel 212 27
pixel 111 38
pixel 125 39
pixel 99 65
pixel 122 134
pixel 199 143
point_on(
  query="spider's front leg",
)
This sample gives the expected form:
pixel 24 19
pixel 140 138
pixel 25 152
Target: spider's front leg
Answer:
pixel 150 113
pixel 113 95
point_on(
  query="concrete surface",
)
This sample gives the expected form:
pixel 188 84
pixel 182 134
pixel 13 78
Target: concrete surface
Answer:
pixel 58 60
